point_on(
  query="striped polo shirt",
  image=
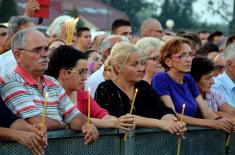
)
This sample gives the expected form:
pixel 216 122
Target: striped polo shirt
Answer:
pixel 21 95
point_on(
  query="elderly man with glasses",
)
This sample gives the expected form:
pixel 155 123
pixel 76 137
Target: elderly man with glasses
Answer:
pixel 24 90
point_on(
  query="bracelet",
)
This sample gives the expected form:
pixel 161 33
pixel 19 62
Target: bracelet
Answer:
pixel 219 117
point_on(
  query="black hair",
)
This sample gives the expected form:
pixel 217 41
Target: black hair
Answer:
pixel 79 30
pixel 88 52
pixel 64 57
pixel 201 66
pixel 3 26
pixel 119 23
pixel 230 40
pixel 193 38
pixel 207 48
pixel 214 34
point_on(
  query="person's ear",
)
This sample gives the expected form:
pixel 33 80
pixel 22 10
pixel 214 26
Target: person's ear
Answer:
pixel 18 56
pixel 106 53
pixel 168 62
pixel 117 68
pixel 63 74
pixel 229 64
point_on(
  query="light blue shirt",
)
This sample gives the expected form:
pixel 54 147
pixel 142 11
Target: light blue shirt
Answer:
pixel 226 87
pixel 7 63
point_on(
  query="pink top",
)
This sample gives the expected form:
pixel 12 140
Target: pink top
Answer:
pixel 96 110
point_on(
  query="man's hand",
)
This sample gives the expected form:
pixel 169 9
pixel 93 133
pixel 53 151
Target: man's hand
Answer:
pixel 31 7
pixel 37 128
pixel 91 134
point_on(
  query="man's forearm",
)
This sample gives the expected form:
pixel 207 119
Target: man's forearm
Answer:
pixel 78 122
pixel 50 123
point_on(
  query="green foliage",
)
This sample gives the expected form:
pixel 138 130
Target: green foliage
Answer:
pixel 180 11
pixel 75 13
pixel 7 10
pixel 132 8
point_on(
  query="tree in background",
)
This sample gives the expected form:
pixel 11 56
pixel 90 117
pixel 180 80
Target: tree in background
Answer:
pixel 180 11
pixel 75 13
pixel 132 8
pixel 221 8
pixel 7 10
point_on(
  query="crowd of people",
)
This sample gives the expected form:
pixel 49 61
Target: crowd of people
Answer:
pixel 66 69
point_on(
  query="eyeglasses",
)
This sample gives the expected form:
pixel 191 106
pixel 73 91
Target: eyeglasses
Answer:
pixel 3 34
pixel 83 71
pixel 159 31
pixel 154 58
pixel 37 50
pixel 183 56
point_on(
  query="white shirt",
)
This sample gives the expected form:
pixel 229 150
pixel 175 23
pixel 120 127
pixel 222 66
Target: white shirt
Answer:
pixel 7 62
pixel 94 80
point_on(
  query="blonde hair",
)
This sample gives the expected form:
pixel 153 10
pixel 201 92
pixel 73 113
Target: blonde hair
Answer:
pixel 120 53
pixel 148 44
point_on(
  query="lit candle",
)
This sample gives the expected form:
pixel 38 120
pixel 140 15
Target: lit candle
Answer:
pixel 44 110
pixel 132 107
pixel 179 139
pixel 89 108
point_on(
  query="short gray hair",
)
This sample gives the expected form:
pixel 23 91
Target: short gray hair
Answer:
pixel 106 43
pixel 147 44
pixel 16 22
pixel 229 53
pixel 55 27
pixel 19 40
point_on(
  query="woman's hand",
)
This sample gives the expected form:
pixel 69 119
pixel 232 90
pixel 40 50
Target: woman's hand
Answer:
pixel 125 122
pixel 224 124
pixel 174 127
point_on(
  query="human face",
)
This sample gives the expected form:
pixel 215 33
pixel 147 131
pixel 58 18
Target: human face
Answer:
pixel 205 83
pixel 124 31
pixel 76 76
pixel 3 35
pixel 152 64
pixel 94 61
pixel 133 70
pixel 156 31
pixel 84 41
pixel 203 37
pixel 34 57
pixel 182 61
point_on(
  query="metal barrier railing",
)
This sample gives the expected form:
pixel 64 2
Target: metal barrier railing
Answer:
pixel 198 141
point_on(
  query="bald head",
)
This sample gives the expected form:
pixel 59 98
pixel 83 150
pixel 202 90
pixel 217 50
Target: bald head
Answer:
pixel 151 28
pixel 109 42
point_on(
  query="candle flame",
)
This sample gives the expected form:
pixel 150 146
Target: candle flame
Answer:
pixel 46 94
pixel 89 89
pixel 183 106
pixel 136 90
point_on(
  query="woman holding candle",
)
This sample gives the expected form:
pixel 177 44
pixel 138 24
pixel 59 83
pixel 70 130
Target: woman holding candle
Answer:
pixel 116 95
pixel 69 67
pixel 175 87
